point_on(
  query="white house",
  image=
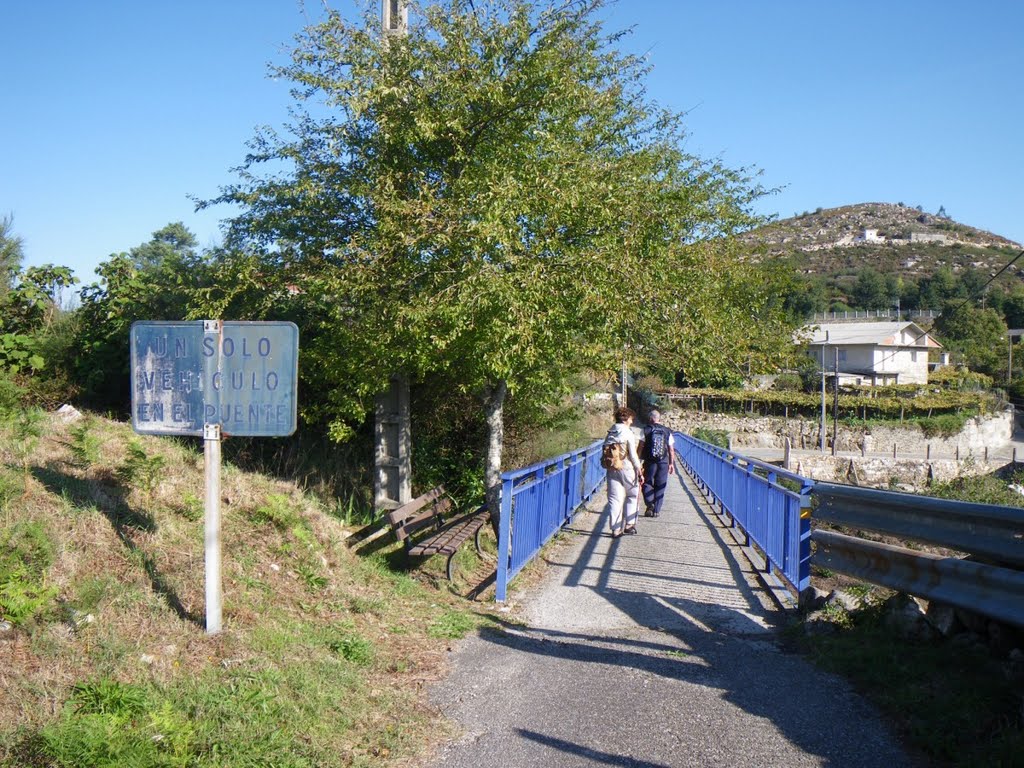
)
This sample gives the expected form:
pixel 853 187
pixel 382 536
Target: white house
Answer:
pixel 869 236
pixel 872 353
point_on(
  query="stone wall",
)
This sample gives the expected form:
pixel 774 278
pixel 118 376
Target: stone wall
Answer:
pixel 910 475
pixel 993 432
pixel 981 448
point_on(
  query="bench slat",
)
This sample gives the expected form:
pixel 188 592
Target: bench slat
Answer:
pixel 451 536
pixel 424 519
pixel 396 516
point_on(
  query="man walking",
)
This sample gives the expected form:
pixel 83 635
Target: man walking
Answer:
pixel 659 459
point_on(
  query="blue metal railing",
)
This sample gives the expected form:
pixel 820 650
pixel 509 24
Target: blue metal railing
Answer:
pixel 537 501
pixel 771 508
pixel 776 518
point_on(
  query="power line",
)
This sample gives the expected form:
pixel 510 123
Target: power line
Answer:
pixel 981 289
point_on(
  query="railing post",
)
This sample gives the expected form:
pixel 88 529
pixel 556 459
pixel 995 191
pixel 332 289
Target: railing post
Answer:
pixel 803 575
pixel 504 542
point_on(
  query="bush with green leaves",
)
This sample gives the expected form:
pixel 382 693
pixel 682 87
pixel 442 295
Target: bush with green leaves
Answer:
pixel 717 437
pixel 26 552
pixel 139 469
pixel 86 445
pixel 788 382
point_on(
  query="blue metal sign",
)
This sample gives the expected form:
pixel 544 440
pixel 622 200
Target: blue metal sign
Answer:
pixel 241 376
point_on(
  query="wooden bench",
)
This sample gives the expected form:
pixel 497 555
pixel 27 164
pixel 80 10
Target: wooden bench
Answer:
pixel 446 531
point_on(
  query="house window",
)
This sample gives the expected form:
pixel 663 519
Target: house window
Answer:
pixel 913 355
pixel 842 355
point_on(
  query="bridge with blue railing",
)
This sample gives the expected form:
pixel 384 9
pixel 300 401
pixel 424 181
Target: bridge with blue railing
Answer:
pixel 771 511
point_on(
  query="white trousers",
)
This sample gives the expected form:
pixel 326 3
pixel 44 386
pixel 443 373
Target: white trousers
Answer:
pixel 623 490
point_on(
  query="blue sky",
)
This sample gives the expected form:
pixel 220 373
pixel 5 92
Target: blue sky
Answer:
pixel 116 112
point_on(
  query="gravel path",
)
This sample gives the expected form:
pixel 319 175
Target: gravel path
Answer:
pixel 650 650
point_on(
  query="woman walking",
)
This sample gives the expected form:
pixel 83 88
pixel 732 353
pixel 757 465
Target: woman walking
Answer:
pixel 624 480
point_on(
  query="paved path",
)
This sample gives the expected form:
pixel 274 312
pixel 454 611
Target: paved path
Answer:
pixel 650 650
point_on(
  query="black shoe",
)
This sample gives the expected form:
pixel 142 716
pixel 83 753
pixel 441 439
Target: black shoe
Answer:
pixel 649 512
pixel 616 534
pixel 630 531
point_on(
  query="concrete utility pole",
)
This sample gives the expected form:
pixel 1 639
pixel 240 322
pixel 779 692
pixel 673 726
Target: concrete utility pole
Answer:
pixel 394 15
pixel 835 401
pixel 822 431
pixel 392 482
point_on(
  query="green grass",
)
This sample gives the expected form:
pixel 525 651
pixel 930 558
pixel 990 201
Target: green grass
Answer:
pixel 322 655
pixel 955 703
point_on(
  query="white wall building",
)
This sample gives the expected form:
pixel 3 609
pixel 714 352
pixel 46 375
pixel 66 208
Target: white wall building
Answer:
pixel 872 353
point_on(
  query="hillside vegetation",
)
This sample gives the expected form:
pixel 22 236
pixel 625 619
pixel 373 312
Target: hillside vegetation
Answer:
pixel 826 241
pixel 104 658
pixel 880 256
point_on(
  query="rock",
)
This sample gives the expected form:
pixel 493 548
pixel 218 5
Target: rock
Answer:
pixel 68 413
pixel 975 622
pixel 845 600
pixel 815 598
pixel 905 616
pixel 943 619
pixel 1003 639
pixel 818 623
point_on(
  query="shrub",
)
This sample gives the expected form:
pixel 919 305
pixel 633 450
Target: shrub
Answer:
pixel 717 437
pixel 86 445
pixel 140 468
pixel 788 382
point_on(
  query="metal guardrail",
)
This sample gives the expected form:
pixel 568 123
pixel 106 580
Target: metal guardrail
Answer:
pixel 980 529
pixel 536 502
pixel 995 589
pixel 775 517
pixel 986 589
pixel 988 531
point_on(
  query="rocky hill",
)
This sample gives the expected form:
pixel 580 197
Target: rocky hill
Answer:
pixel 889 237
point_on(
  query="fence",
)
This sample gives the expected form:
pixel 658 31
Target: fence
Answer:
pixel 537 501
pixel 992 533
pixel 778 521
pixel 875 314
pixel 775 517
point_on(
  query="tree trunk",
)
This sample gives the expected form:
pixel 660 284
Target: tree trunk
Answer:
pixel 494 403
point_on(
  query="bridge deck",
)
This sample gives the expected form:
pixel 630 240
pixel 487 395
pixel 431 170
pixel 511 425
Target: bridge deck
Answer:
pixel 650 650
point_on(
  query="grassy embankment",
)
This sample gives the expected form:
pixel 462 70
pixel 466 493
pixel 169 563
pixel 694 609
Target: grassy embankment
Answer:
pixel 323 656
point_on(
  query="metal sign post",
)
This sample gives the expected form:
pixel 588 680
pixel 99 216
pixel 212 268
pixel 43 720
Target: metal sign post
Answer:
pixel 213 379
pixel 211 455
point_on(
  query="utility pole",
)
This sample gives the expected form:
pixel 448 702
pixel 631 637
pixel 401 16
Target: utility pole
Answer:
pixel 835 401
pixel 822 433
pixel 394 15
pixel 392 481
pixel 1009 364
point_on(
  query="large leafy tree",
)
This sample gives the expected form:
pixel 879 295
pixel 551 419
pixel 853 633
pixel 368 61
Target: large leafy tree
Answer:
pixel 977 336
pixel 11 253
pixel 492 198
pixel 152 281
